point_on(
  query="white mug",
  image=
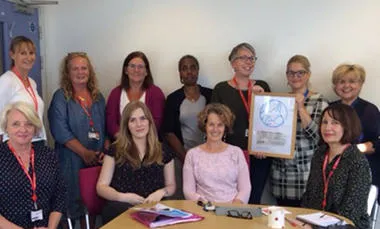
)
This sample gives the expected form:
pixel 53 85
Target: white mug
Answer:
pixel 276 217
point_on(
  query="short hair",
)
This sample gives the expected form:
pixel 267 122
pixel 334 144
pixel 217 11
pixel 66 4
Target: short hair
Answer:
pixel 348 119
pixel 343 69
pixel 66 83
pixel 180 62
pixel 126 149
pixel 124 76
pixel 237 48
pixel 223 112
pixel 26 109
pixel 301 60
pixel 17 42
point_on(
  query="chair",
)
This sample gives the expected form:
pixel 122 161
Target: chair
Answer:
pixel 93 204
pixel 373 207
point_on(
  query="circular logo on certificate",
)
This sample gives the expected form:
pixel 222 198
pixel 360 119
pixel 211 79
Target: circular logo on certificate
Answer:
pixel 273 113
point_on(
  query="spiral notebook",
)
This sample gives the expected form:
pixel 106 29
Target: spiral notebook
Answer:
pixel 161 215
pixel 320 219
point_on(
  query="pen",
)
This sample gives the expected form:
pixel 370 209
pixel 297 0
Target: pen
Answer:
pixel 291 222
pixel 322 216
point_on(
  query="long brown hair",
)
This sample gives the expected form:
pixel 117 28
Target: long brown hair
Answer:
pixel 66 83
pixel 148 80
pixel 125 148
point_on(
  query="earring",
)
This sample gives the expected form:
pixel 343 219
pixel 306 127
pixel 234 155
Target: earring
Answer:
pixel 224 137
pixel 205 137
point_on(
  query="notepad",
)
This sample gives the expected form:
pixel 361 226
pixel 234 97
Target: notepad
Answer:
pixel 162 215
pixel 319 219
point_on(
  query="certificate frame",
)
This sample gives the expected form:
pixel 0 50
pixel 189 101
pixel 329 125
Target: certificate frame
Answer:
pixel 272 125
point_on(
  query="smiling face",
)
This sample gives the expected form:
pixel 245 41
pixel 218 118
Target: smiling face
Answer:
pixel 244 63
pixel 79 71
pixel 188 72
pixel 348 87
pixel 298 76
pixel 136 70
pixel 20 130
pixel 24 56
pixel 331 129
pixel 215 128
pixel 138 124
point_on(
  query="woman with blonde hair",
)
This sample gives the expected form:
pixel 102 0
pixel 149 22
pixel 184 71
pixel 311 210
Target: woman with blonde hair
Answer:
pixel 136 169
pixel 32 191
pixel 77 123
pixel 17 85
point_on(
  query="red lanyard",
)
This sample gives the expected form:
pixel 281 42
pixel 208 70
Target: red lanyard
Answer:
pixel 31 91
pixel 32 179
pixel 247 105
pixel 326 180
pixel 87 111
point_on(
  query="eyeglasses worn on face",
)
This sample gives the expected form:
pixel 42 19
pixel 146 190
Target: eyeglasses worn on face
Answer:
pixel 136 66
pixel 298 74
pixel 246 58
pixel 237 214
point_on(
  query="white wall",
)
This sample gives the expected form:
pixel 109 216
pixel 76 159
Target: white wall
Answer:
pixel 328 32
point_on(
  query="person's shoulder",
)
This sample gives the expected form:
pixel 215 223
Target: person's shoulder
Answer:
pixel 176 94
pixel 8 78
pixel 368 104
pixel 222 84
pixel 155 88
pixel 319 97
pixel 116 91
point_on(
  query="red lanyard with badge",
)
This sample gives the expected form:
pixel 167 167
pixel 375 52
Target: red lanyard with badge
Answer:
pixel 28 88
pixel 92 134
pixel 326 180
pixel 35 214
pixel 247 104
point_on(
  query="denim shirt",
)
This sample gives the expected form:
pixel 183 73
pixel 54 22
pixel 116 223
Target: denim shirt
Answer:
pixel 68 121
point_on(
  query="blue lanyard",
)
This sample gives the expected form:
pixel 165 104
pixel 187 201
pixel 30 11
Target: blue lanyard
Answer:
pixel 306 92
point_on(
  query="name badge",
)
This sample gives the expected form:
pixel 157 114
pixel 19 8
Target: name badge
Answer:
pixel 246 132
pixel 93 135
pixel 36 215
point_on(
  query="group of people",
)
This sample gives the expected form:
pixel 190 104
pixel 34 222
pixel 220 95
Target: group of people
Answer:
pixel 190 145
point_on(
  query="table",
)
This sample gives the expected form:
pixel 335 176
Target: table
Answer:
pixel 211 220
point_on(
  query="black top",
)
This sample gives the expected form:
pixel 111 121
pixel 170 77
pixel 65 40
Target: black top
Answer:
pixel 142 181
pixel 171 122
pixel 348 187
pixel 229 96
pixel 15 189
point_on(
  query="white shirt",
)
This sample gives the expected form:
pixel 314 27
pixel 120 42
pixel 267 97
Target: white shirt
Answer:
pixel 13 90
pixel 124 100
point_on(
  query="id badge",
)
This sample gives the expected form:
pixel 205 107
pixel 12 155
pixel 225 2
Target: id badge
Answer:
pixel 246 133
pixel 36 215
pixel 93 135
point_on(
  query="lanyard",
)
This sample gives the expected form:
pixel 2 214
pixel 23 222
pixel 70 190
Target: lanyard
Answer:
pixel 247 105
pixel 32 179
pixel 326 180
pixel 306 92
pixel 29 89
pixel 86 110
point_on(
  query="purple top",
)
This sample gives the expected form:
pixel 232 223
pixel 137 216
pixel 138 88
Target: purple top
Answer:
pixel 154 100
pixel 216 177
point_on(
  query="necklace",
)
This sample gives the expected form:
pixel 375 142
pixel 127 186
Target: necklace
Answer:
pixel 192 94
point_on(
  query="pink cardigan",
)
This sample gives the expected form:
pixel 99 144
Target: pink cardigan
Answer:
pixel 154 100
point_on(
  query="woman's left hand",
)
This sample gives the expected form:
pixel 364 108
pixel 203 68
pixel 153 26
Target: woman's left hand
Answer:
pixel 155 196
pixel 257 89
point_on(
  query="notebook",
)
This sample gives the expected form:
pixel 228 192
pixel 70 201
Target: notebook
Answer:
pixel 162 215
pixel 320 219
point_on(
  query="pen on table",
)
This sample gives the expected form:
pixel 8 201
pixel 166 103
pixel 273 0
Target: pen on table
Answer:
pixel 323 215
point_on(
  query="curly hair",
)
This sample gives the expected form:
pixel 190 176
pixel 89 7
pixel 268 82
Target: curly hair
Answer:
pixel 125 148
pixel 66 83
pixel 223 112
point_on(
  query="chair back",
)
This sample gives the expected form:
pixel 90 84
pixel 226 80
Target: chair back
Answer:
pixel 88 177
pixel 372 205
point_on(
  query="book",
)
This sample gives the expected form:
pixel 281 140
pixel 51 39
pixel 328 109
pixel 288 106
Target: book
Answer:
pixel 320 219
pixel 161 215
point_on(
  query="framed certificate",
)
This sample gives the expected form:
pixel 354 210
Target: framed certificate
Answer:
pixel 273 121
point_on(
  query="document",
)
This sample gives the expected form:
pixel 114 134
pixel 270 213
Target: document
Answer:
pixel 320 219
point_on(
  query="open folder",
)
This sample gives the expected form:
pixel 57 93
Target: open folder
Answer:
pixel 162 215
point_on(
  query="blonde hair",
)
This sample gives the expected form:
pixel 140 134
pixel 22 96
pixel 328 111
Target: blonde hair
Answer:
pixel 26 109
pixel 125 148
pixel 223 112
pixel 344 69
pixel 301 60
pixel 66 83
